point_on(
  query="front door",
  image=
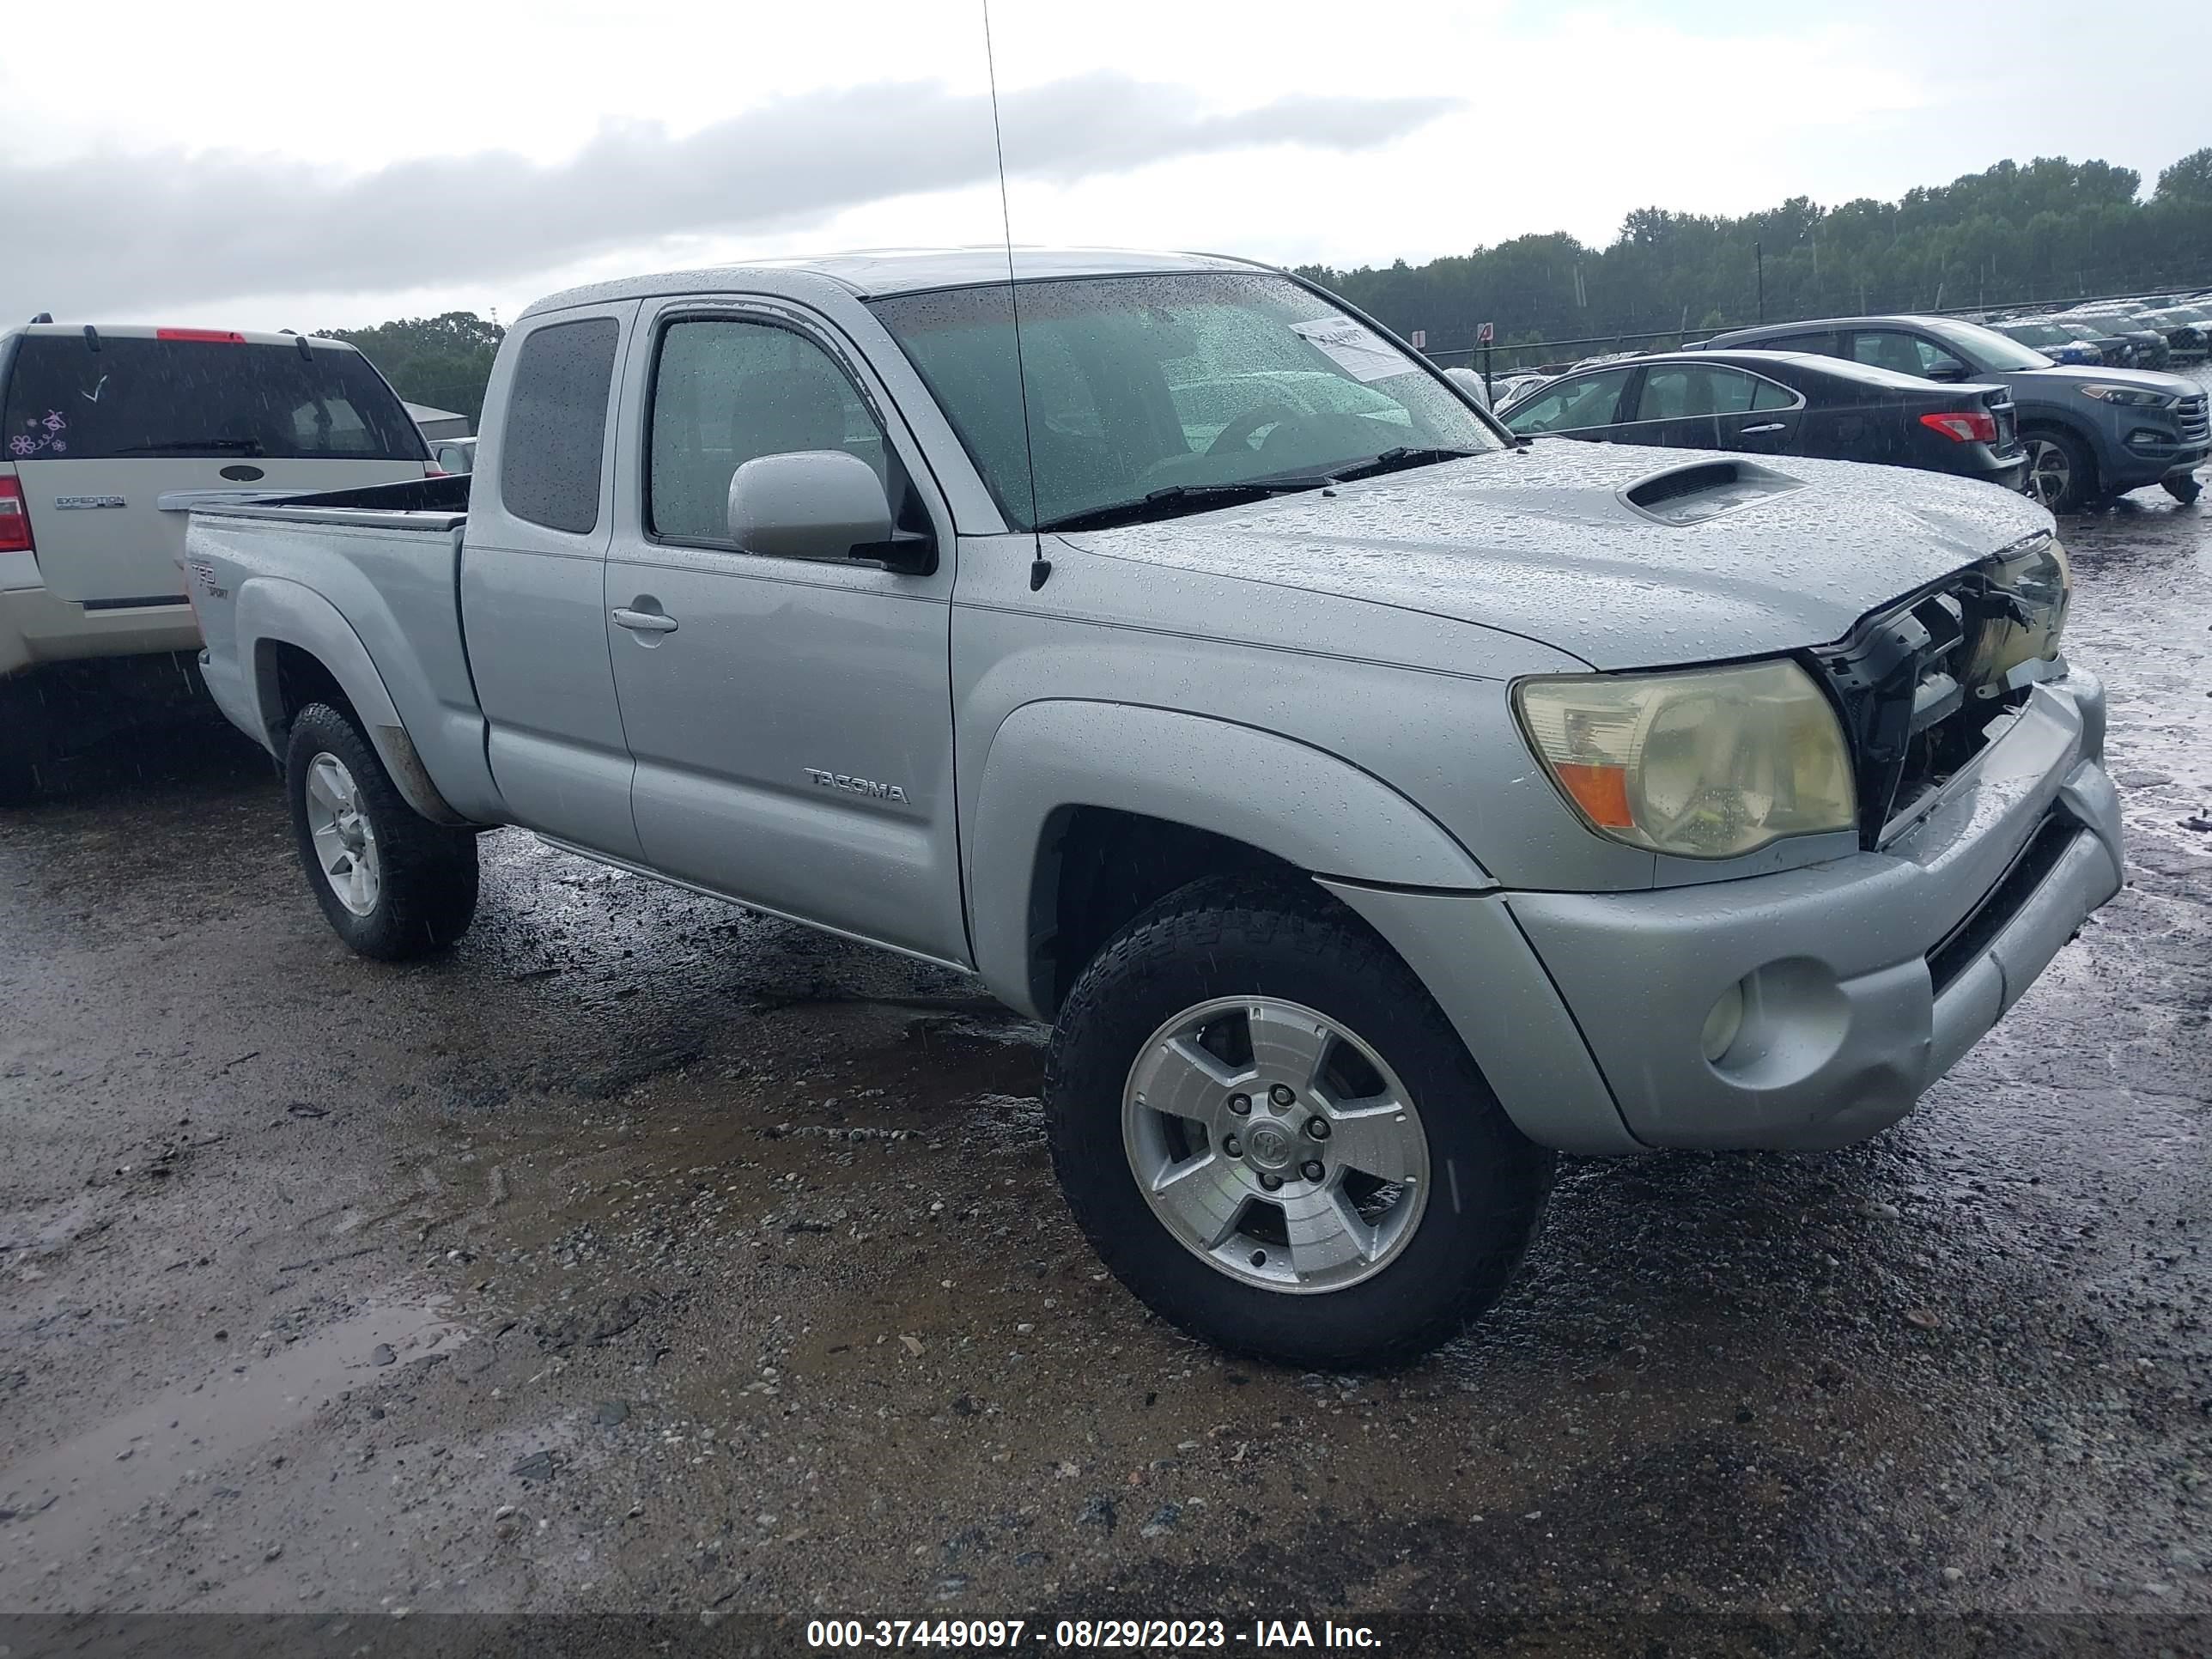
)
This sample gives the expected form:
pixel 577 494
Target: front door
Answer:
pixel 790 719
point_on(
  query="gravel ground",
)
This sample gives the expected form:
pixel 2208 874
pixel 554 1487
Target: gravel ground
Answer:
pixel 645 1254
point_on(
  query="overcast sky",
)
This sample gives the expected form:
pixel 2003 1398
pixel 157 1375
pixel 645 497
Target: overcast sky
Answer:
pixel 264 165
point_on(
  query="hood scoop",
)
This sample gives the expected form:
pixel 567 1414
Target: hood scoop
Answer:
pixel 1704 490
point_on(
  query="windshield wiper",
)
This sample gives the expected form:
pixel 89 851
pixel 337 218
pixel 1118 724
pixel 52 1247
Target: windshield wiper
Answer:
pixel 1182 498
pixel 1398 460
pixel 241 445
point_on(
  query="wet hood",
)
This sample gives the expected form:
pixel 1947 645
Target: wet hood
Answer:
pixel 1542 542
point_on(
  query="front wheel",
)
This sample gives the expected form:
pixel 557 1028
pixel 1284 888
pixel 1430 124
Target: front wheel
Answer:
pixel 1273 1137
pixel 2061 476
pixel 2183 487
pixel 393 884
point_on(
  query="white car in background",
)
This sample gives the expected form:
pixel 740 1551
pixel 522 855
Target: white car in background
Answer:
pixel 97 423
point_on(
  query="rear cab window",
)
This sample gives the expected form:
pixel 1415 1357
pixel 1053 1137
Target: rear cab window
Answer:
pixel 555 437
pixel 136 396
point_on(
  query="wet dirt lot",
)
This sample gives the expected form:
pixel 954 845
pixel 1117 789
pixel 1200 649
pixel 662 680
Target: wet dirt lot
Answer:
pixel 645 1253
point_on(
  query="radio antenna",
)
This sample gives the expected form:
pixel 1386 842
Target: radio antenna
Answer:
pixel 1040 567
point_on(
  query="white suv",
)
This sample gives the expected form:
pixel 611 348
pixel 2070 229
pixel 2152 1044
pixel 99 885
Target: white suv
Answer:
pixel 96 424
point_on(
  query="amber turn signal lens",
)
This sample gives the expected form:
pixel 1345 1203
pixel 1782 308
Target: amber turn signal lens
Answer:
pixel 1600 791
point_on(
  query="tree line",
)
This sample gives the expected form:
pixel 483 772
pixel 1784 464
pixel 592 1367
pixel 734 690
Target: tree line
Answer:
pixel 444 361
pixel 2050 229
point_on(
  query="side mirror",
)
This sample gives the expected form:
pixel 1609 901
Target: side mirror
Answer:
pixel 822 504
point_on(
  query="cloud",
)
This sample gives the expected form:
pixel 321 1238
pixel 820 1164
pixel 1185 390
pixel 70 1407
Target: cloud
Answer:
pixel 111 231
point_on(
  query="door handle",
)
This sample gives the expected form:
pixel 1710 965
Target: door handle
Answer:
pixel 643 621
pixel 1771 426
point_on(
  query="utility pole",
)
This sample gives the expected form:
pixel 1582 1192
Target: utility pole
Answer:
pixel 1759 264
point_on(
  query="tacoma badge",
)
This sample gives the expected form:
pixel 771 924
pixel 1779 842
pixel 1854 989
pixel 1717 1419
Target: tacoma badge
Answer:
pixel 858 786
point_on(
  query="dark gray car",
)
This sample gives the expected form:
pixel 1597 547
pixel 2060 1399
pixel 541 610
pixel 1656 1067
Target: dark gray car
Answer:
pixel 2092 433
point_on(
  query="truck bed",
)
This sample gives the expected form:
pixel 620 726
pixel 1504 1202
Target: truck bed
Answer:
pixel 365 581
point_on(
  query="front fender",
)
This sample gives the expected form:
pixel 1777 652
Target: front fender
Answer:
pixel 1310 808
pixel 271 610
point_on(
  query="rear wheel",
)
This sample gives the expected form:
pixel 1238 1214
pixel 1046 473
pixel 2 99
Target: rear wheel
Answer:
pixel 393 884
pixel 2183 487
pixel 1272 1136
pixel 2061 476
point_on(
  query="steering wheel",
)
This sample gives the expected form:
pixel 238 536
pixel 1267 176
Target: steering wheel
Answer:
pixel 1239 431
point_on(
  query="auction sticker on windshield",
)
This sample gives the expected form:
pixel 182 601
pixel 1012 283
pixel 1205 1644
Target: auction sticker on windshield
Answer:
pixel 1357 350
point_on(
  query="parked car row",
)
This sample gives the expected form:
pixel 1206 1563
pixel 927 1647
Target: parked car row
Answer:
pixel 1934 393
pixel 1778 403
pixel 2091 434
pixel 2151 332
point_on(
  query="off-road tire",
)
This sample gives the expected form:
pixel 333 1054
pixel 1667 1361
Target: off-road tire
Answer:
pixel 1233 936
pixel 426 877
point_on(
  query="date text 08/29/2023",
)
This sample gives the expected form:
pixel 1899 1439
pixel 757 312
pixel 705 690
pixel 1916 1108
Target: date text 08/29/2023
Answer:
pixel 1263 1634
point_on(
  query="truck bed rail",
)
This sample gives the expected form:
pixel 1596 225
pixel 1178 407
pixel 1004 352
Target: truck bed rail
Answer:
pixel 420 504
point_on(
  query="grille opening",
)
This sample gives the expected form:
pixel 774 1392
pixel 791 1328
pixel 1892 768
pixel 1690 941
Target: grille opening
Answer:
pixel 1914 722
pixel 2031 867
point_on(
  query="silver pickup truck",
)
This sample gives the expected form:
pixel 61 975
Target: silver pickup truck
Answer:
pixel 1376 806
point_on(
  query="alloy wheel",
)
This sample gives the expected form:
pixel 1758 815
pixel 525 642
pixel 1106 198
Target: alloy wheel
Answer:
pixel 2050 473
pixel 345 841
pixel 1275 1145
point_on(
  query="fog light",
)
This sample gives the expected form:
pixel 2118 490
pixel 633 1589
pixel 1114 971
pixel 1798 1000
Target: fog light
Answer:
pixel 1722 1022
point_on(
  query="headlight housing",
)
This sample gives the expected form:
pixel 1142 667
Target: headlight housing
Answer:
pixel 2129 397
pixel 1706 763
pixel 2030 587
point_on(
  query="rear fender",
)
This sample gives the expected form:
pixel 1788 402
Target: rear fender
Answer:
pixel 271 611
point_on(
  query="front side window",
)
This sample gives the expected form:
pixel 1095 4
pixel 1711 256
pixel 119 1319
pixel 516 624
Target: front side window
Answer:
pixel 726 392
pixel 1158 386
pixel 140 396
pixel 557 420
pixel 1574 404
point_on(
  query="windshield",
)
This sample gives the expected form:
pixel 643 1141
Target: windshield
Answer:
pixel 1185 383
pixel 2037 334
pixel 136 396
pixel 1986 352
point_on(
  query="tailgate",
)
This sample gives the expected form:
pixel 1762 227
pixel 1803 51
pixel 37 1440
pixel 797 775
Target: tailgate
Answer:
pixel 102 541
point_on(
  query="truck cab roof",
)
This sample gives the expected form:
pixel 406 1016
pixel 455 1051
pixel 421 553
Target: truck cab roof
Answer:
pixel 875 273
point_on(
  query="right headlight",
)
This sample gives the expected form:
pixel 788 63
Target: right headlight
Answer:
pixel 1706 763
pixel 2037 585
pixel 2133 397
